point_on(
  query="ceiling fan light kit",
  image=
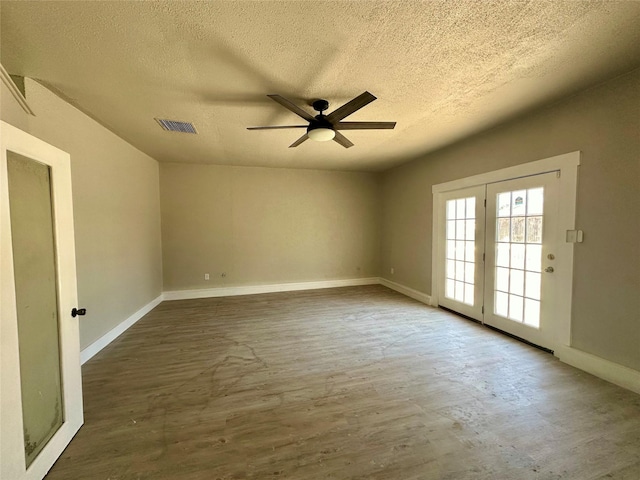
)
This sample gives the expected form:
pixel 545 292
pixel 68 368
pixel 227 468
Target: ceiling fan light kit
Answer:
pixel 323 128
pixel 321 134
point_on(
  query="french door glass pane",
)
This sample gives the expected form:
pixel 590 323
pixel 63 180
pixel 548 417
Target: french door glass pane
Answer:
pixel 533 285
pixel 504 204
pixel 450 288
pixel 468 293
pixel 469 272
pixel 519 255
pixel 515 307
pixel 460 250
pixel 532 312
pixel 516 282
pixel 502 279
pixel 502 304
pixel 503 255
pixel 471 207
pixel 471 230
pixel 535 196
pixel 534 258
pixel 459 271
pixel 470 251
pixel 451 250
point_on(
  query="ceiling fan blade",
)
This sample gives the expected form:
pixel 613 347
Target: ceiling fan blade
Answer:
pixel 364 125
pixel 292 107
pixel 277 127
pixel 299 141
pixel 342 140
pixel 350 107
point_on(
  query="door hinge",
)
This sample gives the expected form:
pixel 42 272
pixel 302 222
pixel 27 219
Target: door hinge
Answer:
pixel 483 309
pixel 483 256
pixel 485 203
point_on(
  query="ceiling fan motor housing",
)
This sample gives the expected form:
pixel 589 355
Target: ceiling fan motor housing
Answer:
pixel 320 105
pixel 320 129
pixel 320 122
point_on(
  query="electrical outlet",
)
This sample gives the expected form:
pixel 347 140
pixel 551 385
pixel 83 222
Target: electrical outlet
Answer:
pixel 393 270
pixel 206 276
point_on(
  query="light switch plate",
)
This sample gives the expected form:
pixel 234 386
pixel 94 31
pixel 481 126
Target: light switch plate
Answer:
pixel 574 236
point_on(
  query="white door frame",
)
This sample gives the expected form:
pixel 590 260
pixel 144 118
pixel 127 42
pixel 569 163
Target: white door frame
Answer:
pixel 11 423
pixel 567 164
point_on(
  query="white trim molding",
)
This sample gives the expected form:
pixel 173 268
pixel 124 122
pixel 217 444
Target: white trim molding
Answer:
pixel 563 163
pixel 15 91
pixel 118 330
pixel 409 292
pixel 269 288
pixel 615 373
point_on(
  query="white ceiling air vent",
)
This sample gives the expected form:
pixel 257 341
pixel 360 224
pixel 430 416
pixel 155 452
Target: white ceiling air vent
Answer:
pixel 176 126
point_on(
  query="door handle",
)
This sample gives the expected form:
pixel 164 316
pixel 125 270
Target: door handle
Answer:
pixel 549 269
pixel 78 311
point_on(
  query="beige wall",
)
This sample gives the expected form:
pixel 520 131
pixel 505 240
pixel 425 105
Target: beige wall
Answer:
pixel 262 226
pixel 116 210
pixel 266 225
pixel 603 123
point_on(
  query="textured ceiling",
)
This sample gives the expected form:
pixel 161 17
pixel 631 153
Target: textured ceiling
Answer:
pixel 442 70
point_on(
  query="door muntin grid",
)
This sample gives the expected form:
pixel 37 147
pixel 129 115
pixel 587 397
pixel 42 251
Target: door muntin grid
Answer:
pixel 460 249
pixel 518 268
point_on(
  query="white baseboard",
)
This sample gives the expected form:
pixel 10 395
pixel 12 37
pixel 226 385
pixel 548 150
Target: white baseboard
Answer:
pixel 409 292
pixel 115 332
pixel 620 375
pixel 271 288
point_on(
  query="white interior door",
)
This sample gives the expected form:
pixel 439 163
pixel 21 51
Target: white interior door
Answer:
pixel 521 249
pixel 461 273
pixel 40 385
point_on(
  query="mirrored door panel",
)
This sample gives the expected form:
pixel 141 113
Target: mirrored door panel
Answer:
pixel 34 262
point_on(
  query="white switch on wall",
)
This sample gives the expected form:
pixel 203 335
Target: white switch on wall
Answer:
pixel 206 276
pixel 574 236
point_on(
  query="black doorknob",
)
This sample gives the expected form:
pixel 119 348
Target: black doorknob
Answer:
pixel 78 311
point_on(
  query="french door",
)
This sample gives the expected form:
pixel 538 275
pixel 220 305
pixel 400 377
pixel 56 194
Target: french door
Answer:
pixel 519 266
pixel 498 243
pixel 40 381
pixel 462 275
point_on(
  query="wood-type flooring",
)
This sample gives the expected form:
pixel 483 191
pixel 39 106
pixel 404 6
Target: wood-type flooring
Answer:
pixel 346 383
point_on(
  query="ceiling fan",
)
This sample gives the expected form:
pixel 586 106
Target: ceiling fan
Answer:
pixel 325 127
